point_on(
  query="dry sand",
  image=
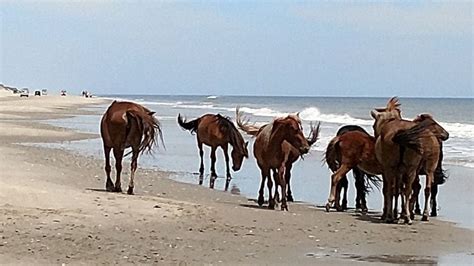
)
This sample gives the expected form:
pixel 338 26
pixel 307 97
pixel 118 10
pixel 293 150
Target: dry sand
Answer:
pixel 53 210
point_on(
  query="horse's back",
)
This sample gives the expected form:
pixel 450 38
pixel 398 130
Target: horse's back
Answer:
pixel 114 122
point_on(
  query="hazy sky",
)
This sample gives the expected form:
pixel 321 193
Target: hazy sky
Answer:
pixel 239 47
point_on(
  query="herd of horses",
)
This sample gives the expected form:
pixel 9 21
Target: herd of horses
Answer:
pixel 399 151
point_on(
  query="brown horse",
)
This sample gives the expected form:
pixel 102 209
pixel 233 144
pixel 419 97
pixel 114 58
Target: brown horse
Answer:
pixel 217 131
pixel 364 182
pixel 402 147
pixel 353 149
pixel 293 153
pixel 124 125
pixel 439 174
pixel 273 147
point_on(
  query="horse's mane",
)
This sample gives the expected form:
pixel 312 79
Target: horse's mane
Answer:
pixel 422 117
pixel 393 104
pixel 226 125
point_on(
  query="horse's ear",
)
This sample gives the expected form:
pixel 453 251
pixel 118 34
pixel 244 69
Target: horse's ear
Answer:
pixel 151 113
pixel 374 113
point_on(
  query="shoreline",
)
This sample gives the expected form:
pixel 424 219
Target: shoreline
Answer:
pixel 50 191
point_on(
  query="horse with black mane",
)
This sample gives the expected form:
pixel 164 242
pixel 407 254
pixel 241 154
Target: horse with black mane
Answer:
pixel 277 146
pixel 215 131
pixel 363 180
pixel 127 125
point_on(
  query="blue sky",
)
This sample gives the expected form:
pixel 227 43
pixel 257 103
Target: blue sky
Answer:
pixel 240 47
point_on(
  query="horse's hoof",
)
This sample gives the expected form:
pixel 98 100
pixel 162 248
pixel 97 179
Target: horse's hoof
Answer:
pixel 260 201
pixel 339 209
pixel 424 218
pixel 271 207
pixel 418 212
pixel 118 189
pixel 365 210
pixel 110 189
pixel 130 191
pixel 284 207
pixel 412 216
pixel 328 206
pixel 290 198
pixel 434 214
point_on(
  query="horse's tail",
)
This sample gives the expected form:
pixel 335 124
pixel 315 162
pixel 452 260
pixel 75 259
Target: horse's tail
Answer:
pixel 188 125
pixel 372 181
pixel 411 138
pixel 244 124
pixel 332 154
pixel 313 134
pixel 148 125
pixel 440 176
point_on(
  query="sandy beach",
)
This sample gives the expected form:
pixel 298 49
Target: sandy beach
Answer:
pixel 53 210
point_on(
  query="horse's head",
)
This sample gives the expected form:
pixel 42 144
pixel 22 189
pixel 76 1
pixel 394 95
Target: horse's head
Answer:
pixel 238 155
pixel 289 129
pixel 435 128
pixel 383 115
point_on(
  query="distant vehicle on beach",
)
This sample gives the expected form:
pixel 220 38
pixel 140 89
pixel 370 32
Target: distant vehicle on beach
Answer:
pixel 24 92
pixel 37 93
pixel 44 92
pixel 63 92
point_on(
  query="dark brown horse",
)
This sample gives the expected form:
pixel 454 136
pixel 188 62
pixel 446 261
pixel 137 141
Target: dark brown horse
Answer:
pixel 217 131
pixel 293 153
pixel 127 125
pixel 353 149
pixel 402 148
pixel 273 146
pixel 350 150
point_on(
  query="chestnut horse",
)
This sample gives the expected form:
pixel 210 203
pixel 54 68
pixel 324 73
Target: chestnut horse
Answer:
pixel 272 154
pixel 351 150
pixel 127 125
pixel 403 147
pixel 217 131
pixel 293 153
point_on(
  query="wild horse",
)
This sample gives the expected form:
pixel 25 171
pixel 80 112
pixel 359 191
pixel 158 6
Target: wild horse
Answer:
pixel 217 131
pixel 277 145
pixel 403 147
pixel 127 125
pixel 352 146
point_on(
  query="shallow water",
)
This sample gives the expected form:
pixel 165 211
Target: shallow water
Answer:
pixel 310 177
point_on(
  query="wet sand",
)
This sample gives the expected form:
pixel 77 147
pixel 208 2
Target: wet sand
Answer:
pixel 53 210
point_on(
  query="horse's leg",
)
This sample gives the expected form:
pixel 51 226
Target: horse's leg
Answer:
pixel 133 168
pixel 277 184
pixel 201 167
pixel 281 175
pixel 228 176
pixel 429 182
pixel 385 194
pixel 415 197
pixel 271 200
pixel 342 171
pixel 289 194
pixel 118 154
pixel 337 199
pixel 361 203
pixel 434 204
pixel 406 196
pixel 109 185
pixel 261 200
pixel 345 185
pixel 213 167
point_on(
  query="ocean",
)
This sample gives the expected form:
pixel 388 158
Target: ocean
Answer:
pixel 310 177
